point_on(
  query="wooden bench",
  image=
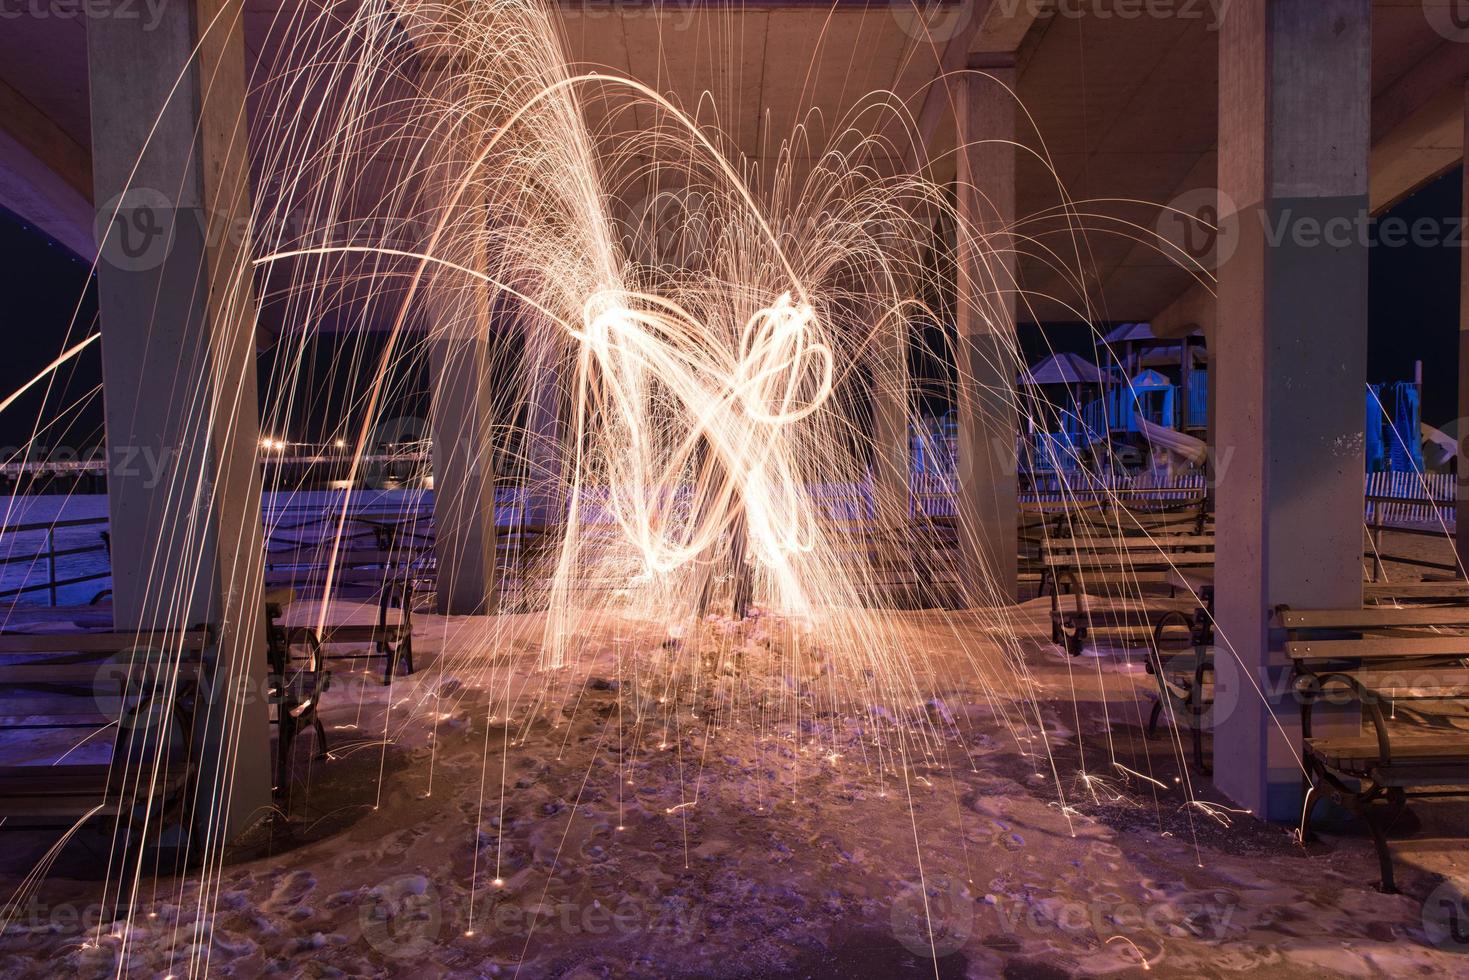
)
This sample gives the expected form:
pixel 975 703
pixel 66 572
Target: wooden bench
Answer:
pixel 386 578
pixel 297 683
pixel 1189 517
pixel 142 685
pixel 1377 657
pixel 1185 688
pixel 297 677
pixel 1185 680
pixel 1125 567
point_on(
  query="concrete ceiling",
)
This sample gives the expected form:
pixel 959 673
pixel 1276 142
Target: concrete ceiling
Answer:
pixel 1124 108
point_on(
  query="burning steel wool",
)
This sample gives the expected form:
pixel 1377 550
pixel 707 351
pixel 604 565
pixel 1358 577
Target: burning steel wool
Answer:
pixel 724 342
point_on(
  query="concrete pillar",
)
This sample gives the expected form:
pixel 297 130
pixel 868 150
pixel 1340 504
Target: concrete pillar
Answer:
pixel 1461 431
pixel 462 405
pixel 891 457
pixel 1294 99
pixel 464 469
pixel 545 443
pixel 1213 461
pixel 178 362
pixel 985 296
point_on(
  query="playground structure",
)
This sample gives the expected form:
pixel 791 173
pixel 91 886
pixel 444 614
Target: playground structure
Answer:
pixel 1147 408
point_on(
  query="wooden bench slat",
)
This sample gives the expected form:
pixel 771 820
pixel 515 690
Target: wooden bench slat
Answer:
pixel 103 642
pixel 1427 684
pixel 1361 751
pixel 1192 578
pixel 1387 648
pixel 1105 543
pixel 1386 591
pixel 104 709
pixel 86 674
pixel 1447 774
pixel 363 633
pixel 1149 562
pixel 15 616
pixel 51 792
pixel 325 556
pixel 1145 576
pixel 1374 617
pixel 305 583
pixel 1118 555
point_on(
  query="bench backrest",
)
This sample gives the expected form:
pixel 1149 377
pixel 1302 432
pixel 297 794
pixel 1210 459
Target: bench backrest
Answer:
pixel 90 670
pixel 1373 636
pixel 1183 550
pixel 108 642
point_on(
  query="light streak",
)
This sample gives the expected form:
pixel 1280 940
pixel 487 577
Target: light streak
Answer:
pixel 48 370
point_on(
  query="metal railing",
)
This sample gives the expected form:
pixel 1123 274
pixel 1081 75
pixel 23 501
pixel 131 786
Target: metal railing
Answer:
pixel 50 553
pixel 1392 502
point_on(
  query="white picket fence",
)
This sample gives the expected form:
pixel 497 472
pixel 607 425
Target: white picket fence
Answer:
pixel 1425 499
pixel 933 494
pixel 1405 499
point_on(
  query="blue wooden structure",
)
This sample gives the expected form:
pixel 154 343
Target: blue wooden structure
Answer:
pixel 1394 427
pixel 1072 407
pixel 1060 393
pixel 1166 379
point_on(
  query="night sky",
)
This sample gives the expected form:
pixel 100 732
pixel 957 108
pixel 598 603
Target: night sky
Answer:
pixel 1414 315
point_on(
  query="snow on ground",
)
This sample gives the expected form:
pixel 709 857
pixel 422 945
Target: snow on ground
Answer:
pixel 676 848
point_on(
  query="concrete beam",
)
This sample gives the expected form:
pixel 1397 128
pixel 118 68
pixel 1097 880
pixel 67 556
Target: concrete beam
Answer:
pixel 985 301
pixel 178 363
pixel 1427 144
pixel 1417 130
pixel 1417 135
pixel 1006 25
pixel 45 175
pixel 48 142
pixel 991 28
pixel 1194 309
pixel 1294 106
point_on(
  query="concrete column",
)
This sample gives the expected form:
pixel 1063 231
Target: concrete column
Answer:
pixel 891 457
pixel 178 361
pixel 985 297
pixel 1461 431
pixel 545 443
pixel 1213 461
pixel 462 406
pixel 464 470
pixel 1294 99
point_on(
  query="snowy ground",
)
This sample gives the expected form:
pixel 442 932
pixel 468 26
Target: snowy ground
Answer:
pixel 682 849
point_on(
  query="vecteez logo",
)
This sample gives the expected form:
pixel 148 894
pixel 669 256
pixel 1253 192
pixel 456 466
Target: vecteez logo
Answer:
pixel 1449 18
pixel 135 230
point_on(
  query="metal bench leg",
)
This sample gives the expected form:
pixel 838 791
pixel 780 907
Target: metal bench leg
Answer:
pixel 1056 635
pixel 405 650
pixel 1313 796
pixel 1197 707
pixel 283 750
pixel 400 658
pixel 1384 856
pixel 320 730
pixel 1076 639
pixel 1153 718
